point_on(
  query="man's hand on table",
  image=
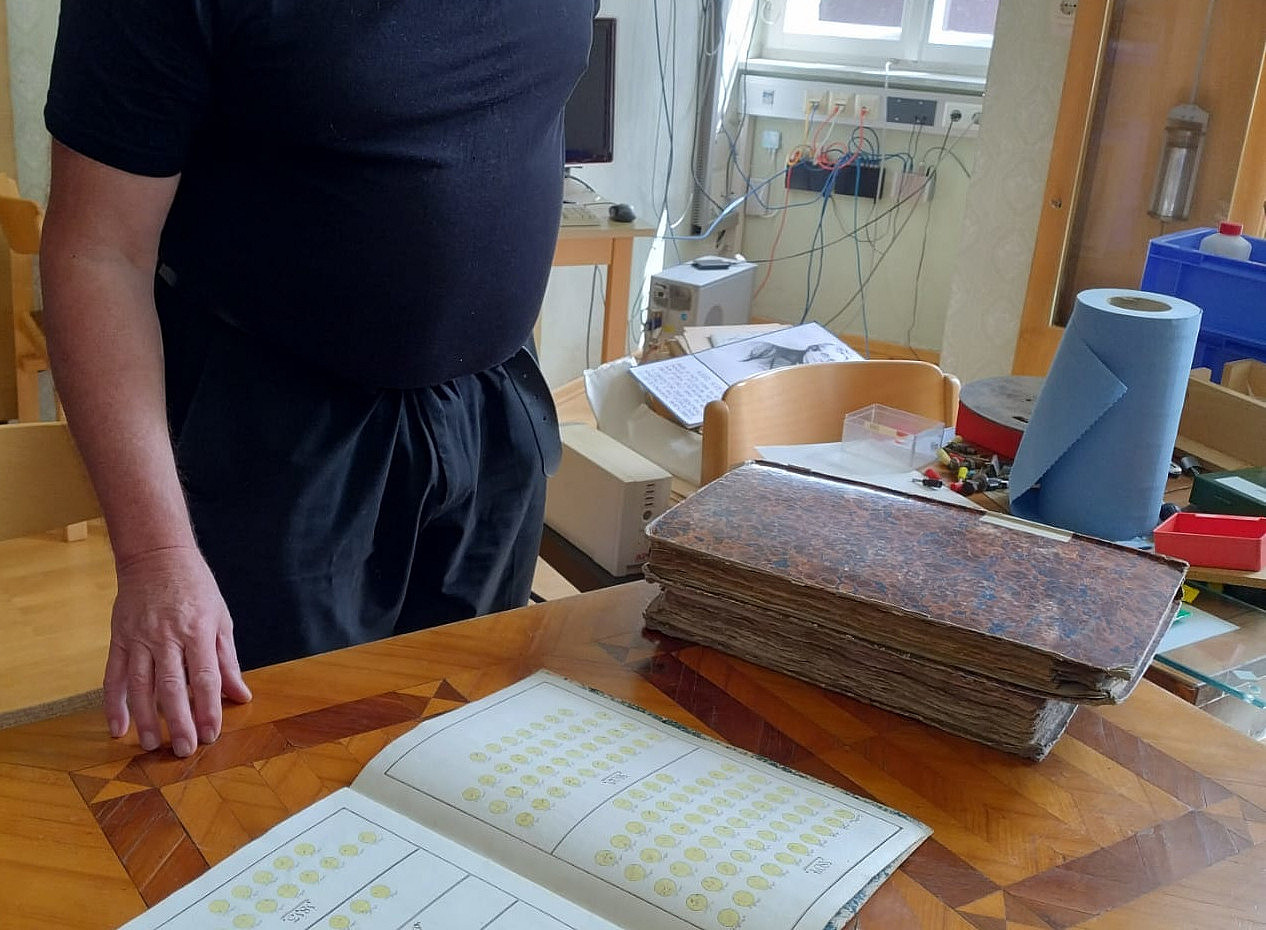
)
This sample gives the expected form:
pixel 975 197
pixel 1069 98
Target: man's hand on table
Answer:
pixel 171 655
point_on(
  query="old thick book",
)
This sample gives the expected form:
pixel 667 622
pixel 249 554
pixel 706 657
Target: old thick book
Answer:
pixel 1052 614
pixel 547 806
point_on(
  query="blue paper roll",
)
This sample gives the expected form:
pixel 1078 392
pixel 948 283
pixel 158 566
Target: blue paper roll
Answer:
pixel 1095 456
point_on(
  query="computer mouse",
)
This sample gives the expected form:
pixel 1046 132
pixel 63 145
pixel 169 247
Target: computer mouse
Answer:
pixel 621 213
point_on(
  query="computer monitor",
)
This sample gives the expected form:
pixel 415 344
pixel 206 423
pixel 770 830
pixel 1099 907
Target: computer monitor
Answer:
pixel 589 120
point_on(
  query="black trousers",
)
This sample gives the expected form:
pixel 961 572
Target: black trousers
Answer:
pixel 333 514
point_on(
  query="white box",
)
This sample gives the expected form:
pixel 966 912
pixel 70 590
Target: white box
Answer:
pixel 686 295
pixel 602 497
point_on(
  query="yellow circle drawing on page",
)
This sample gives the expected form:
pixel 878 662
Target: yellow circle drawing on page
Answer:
pixel 729 918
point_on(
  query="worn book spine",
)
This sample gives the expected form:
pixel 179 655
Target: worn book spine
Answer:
pixel 957 701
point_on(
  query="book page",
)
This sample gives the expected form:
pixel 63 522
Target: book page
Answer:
pixel 806 344
pixel 684 385
pixel 348 863
pixel 637 819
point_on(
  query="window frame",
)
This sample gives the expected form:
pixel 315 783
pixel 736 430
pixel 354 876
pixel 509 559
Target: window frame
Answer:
pixel 913 50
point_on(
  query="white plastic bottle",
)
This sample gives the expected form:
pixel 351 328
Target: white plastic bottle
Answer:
pixel 1227 241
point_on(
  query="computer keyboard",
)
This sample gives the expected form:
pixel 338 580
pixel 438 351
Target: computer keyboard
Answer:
pixel 578 214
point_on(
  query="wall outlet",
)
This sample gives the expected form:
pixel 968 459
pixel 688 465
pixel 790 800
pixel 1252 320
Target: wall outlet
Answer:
pixel 867 108
pixel 839 105
pixel 960 115
pixel 815 103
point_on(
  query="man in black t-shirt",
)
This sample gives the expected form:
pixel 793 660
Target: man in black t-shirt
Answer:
pixel 292 253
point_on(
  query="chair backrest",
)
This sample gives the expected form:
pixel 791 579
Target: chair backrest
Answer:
pixel 22 347
pixel 43 482
pixel 808 403
pixel 22 220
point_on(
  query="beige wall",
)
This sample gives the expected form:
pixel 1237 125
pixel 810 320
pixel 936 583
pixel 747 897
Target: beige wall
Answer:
pixel 1026 73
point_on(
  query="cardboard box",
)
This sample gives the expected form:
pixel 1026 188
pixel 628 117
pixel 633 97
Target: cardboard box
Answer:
pixel 1222 426
pixel 1246 376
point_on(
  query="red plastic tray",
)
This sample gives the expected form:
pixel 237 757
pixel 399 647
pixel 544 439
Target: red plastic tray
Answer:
pixel 1214 540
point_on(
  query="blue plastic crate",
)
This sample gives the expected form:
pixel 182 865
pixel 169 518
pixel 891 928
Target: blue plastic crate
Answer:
pixel 1213 350
pixel 1231 293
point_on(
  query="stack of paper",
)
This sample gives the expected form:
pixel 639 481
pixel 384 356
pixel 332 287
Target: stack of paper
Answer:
pixel 982 625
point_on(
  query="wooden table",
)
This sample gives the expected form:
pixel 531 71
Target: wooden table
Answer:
pixel 1147 814
pixel 609 244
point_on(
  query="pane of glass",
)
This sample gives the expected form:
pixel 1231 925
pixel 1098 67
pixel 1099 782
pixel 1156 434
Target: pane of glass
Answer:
pixel 971 16
pixel 963 23
pixel 864 12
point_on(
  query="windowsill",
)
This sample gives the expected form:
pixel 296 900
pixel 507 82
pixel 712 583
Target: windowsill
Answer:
pixel 970 85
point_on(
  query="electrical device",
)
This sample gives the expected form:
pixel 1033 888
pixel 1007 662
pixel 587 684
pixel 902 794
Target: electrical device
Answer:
pixel 702 293
pixel 602 497
pixel 589 119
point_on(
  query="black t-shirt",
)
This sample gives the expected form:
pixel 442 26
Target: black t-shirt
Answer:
pixel 371 184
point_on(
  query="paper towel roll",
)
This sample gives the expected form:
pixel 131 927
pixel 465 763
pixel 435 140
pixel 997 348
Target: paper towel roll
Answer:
pixel 1095 456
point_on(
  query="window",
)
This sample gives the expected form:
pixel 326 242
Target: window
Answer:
pixel 935 35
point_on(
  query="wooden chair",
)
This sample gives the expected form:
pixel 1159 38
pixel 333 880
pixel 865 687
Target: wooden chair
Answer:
pixel 808 403
pixel 43 482
pixel 23 351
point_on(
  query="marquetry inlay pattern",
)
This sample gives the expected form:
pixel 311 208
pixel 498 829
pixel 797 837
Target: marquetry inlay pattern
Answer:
pixel 1146 814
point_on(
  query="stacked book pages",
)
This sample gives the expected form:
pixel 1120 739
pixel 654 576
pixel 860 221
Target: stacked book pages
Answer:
pixel 988 627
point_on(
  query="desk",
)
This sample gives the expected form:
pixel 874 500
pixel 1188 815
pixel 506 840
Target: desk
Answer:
pixel 609 244
pixel 1147 814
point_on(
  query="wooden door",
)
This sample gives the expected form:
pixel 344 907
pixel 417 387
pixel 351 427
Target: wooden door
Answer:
pixel 1130 61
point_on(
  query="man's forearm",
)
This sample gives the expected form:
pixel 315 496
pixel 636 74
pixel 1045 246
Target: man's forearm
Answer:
pixel 107 361
pixel 106 351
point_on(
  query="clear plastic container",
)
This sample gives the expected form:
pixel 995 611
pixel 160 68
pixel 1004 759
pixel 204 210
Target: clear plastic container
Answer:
pixel 1228 241
pixel 893 438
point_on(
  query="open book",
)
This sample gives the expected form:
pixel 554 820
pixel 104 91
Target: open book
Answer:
pixel 686 384
pixel 548 806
